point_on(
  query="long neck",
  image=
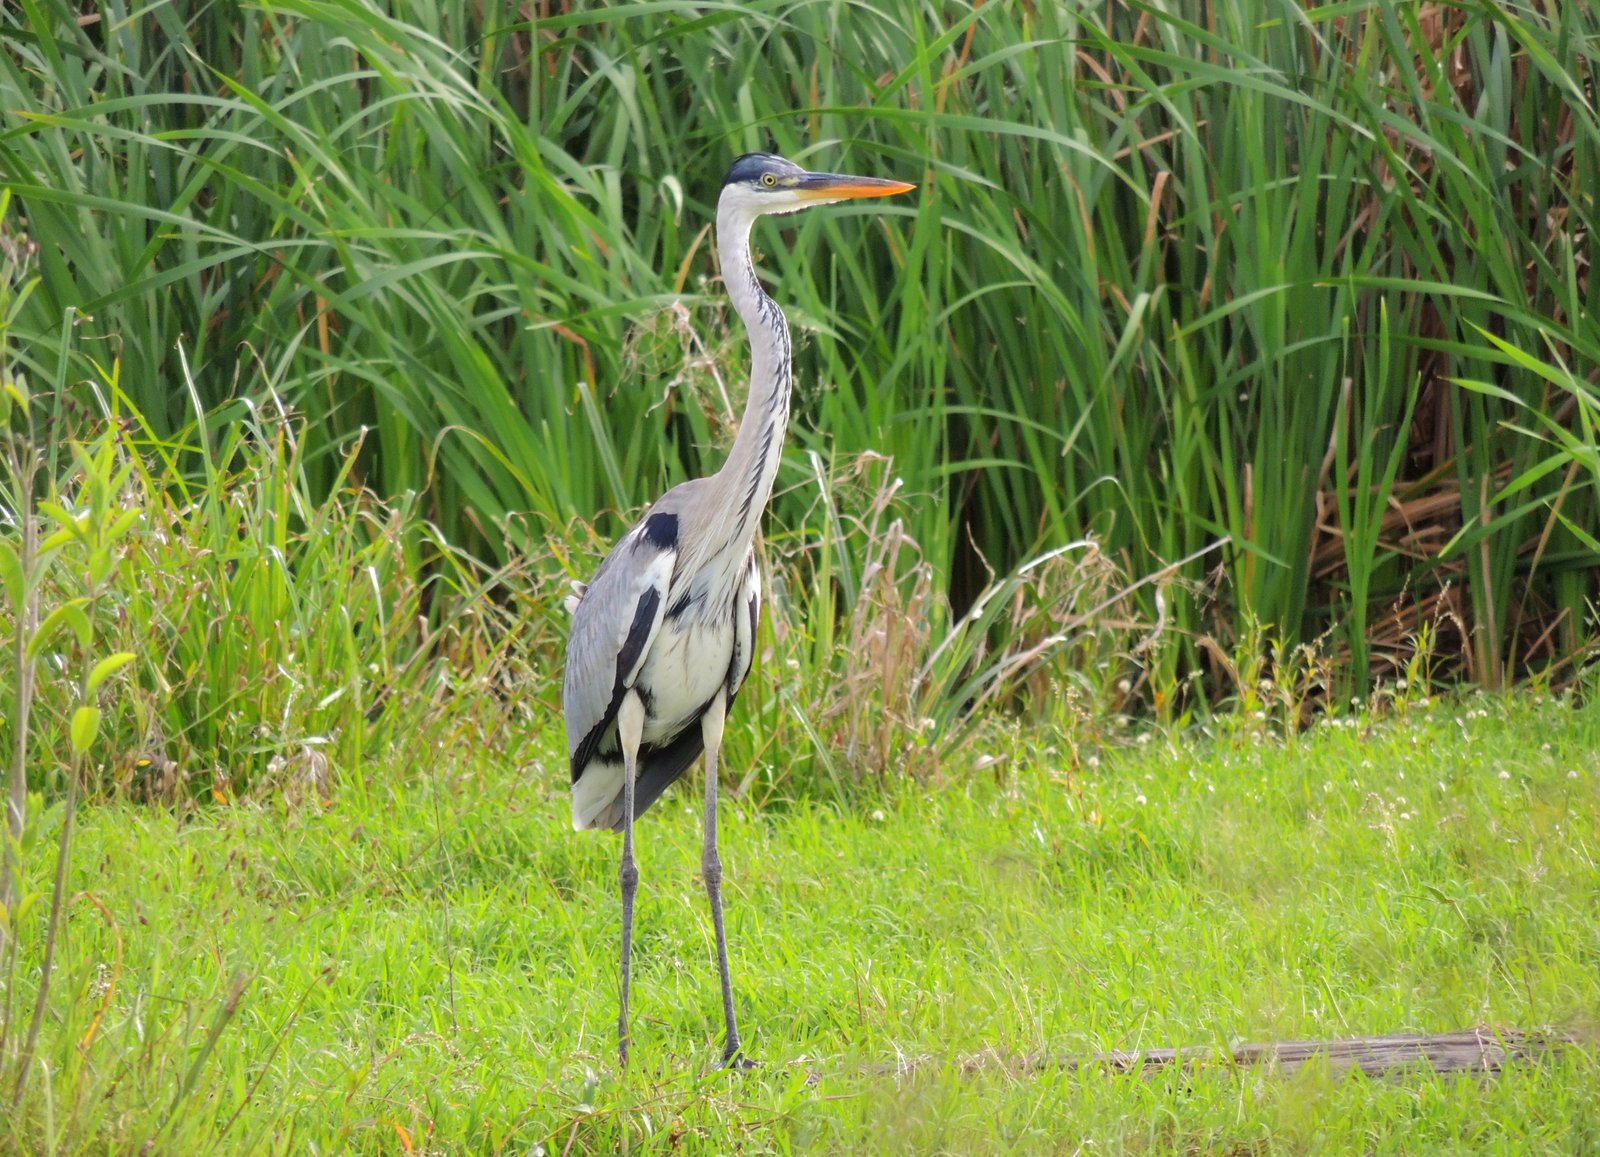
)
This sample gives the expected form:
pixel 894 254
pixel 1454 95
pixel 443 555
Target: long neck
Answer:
pixel 746 477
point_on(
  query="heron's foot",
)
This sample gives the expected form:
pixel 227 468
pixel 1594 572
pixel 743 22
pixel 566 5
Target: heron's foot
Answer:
pixel 736 1061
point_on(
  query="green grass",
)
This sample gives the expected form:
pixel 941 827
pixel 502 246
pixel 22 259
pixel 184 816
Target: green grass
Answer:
pixel 428 965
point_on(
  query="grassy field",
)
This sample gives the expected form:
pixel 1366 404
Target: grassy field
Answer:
pixel 427 966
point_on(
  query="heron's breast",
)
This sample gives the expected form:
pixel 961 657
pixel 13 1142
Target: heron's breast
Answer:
pixel 688 661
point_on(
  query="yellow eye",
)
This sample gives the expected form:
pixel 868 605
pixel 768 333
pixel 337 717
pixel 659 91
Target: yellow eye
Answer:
pixel 769 180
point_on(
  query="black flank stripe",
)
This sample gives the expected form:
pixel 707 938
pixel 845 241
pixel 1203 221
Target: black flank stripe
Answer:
pixel 644 617
pixel 588 748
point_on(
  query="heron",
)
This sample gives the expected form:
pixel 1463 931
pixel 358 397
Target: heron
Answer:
pixel 662 636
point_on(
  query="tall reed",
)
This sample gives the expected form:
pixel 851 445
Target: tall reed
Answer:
pixel 1178 274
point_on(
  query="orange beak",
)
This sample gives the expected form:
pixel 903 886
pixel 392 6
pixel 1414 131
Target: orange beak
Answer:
pixel 838 187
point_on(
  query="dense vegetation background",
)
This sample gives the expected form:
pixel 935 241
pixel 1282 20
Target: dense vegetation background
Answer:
pixel 1213 331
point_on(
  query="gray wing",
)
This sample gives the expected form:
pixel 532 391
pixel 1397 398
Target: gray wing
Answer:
pixel 615 621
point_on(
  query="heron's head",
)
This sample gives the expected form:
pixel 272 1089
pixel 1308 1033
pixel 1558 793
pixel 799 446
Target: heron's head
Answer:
pixel 760 183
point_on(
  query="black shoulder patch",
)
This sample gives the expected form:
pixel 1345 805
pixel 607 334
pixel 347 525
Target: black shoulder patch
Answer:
pixel 661 531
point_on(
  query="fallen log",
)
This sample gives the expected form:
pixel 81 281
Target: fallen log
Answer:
pixel 1479 1050
pixel 1484 1051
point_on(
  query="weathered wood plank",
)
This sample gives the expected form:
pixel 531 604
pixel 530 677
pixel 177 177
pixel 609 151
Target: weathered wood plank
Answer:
pixel 1480 1050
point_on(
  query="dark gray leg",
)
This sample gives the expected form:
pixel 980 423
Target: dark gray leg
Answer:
pixel 630 729
pixel 711 869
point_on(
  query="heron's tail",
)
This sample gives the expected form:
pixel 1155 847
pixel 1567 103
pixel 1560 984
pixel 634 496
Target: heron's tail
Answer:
pixel 597 792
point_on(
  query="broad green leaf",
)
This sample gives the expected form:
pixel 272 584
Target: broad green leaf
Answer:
pixel 68 614
pixel 85 726
pixel 123 523
pixel 23 906
pixel 76 521
pixel 107 667
pixel 16 392
pixel 55 540
pixel 27 905
pixel 11 574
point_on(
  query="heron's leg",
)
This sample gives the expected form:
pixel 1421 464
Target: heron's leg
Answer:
pixel 711 868
pixel 630 729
